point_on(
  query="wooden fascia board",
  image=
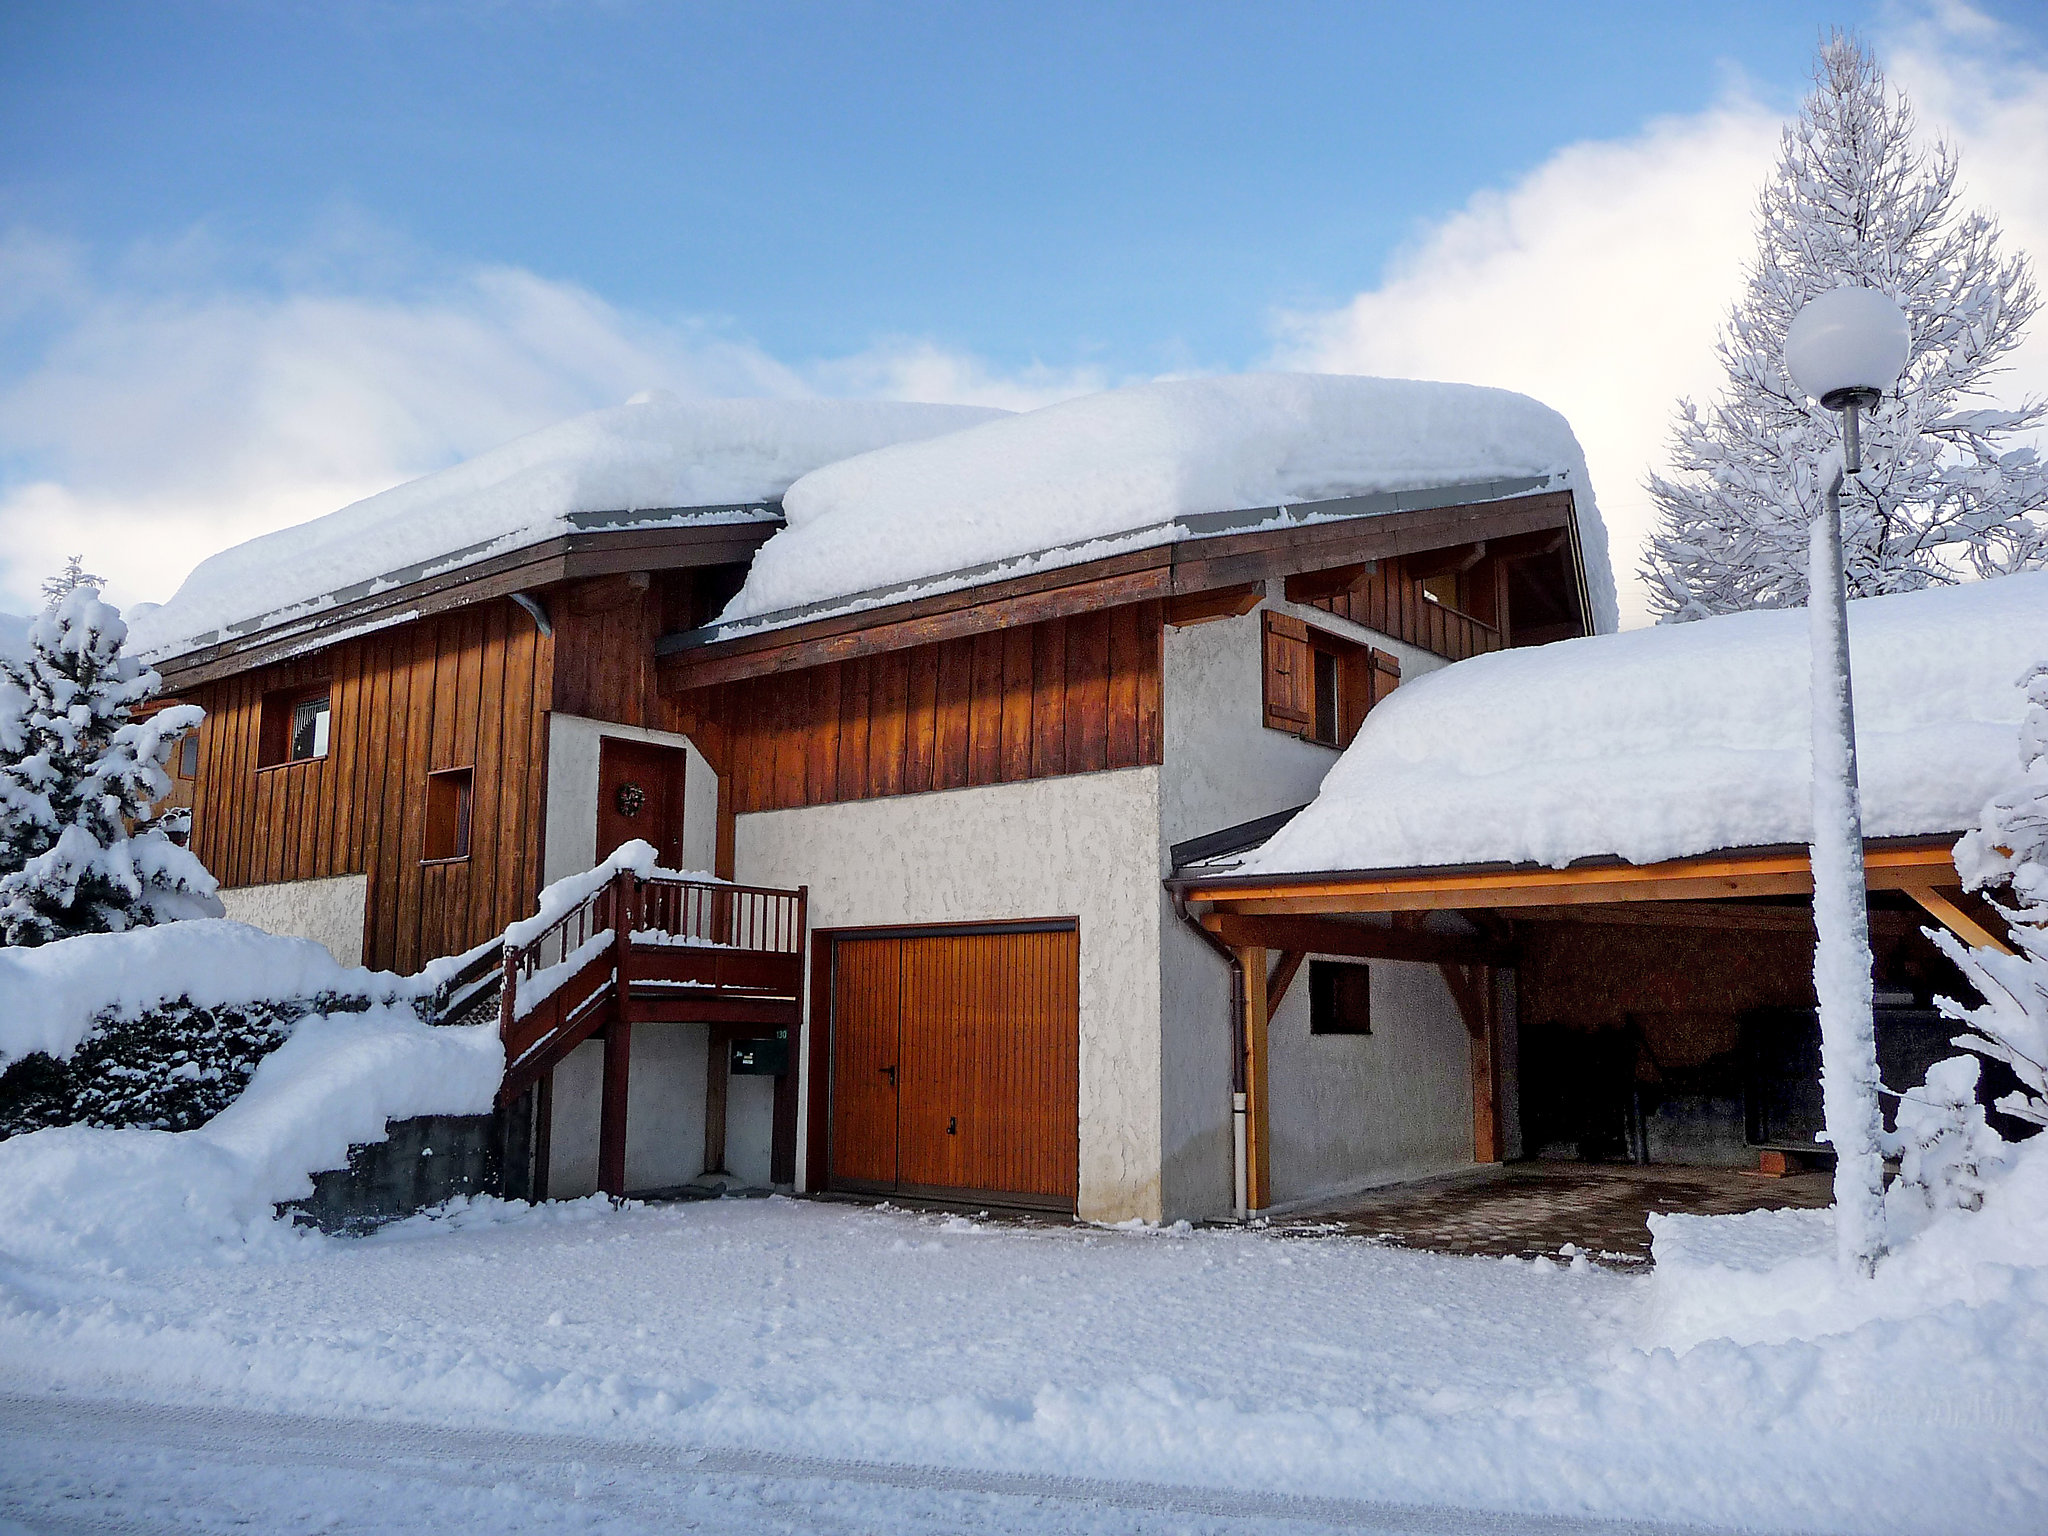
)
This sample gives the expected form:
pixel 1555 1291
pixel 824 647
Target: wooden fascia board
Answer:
pixel 1774 872
pixel 566 558
pixel 1160 571
pixel 1323 936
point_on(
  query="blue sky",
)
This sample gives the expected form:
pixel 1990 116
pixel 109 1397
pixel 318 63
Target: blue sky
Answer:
pixel 1136 184
pixel 488 215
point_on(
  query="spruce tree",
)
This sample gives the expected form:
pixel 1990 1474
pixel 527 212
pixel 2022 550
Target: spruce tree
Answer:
pixel 79 777
pixel 1947 492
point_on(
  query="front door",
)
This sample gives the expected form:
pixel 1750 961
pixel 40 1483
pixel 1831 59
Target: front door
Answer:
pixel 640 794
pixel 955 1064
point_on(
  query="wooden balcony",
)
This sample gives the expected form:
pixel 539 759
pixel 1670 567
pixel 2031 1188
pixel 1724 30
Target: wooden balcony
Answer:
pixel 657 951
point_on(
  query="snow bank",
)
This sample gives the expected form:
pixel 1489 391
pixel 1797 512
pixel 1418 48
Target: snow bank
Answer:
pixel 1769 1277
pixel 1678 740
pixel 653 453
pixel 50 995
pixel 1134 459
pixel 109 1198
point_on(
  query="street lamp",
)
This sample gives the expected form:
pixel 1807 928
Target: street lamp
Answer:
pixel 1845 349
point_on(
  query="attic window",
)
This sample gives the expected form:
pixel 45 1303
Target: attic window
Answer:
pixel 450 799
pixel 1320 686
pixel 294 726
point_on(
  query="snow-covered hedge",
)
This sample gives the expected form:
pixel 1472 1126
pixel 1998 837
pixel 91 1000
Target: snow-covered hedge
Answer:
pixel 161 1027
pixel 118 1197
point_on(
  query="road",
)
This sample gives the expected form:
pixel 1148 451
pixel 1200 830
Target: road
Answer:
pixel 74 1465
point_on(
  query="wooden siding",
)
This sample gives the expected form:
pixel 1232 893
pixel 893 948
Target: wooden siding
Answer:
pixel 1069 695
pixel 1392 602
pixel 468 689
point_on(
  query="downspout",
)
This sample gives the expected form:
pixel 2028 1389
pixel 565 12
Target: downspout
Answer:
pixel 1239 1121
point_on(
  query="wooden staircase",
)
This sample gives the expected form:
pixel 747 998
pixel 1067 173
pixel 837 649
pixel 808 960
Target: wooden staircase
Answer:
pixel 661 950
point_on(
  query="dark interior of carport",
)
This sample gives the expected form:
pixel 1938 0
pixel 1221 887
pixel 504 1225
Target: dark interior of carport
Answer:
pixel 1684 1032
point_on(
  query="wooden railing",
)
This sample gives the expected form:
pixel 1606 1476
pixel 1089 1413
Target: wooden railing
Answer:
pixel 659 949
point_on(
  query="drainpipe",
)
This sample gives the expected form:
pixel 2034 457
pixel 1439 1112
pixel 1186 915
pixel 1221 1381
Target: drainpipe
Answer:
pixel 1239 1120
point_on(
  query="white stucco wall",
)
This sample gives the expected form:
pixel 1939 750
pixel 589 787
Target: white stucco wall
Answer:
pixel 1352 1111
pixel 664 1115
pixel 1222 767
pixel 329 910
pixel 571 832
pixel 1085 846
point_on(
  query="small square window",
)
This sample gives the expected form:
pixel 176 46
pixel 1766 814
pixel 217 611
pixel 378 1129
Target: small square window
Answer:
pixel 188 756
pixel 294 726
pixel 1339 998
pixel 450 797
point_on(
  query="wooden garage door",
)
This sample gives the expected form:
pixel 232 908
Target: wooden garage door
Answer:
pixel 955 1064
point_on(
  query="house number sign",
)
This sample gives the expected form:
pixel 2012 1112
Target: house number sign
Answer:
pixel 629 799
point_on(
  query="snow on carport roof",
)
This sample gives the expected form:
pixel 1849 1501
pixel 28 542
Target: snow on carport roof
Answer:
pixel 697 460
pixel 1679 740
pixel 1114 471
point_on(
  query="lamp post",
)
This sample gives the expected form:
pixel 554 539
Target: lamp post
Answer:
pixel 1846 348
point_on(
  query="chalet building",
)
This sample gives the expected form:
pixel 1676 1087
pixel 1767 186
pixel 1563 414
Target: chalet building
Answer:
pixel 938 939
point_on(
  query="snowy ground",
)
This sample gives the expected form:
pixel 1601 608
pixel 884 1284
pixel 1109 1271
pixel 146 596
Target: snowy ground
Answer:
pixel 764 1365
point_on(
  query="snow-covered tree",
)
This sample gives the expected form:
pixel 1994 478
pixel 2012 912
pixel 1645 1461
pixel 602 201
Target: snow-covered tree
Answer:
pixel 69 580
pixel 1947 1150
pixel 2009 850
pixel 2007 853
pixel 1947 490
pixel 79 778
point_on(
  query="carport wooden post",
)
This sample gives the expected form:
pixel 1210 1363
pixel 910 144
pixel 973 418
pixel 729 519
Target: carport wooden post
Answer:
pixel 1258 1181
pixel 1472 988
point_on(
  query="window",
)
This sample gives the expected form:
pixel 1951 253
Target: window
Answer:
pixel 450 795
pixel 1320 686
pixel 1327 726
pixel 1339 998
pixel 294 727
pixel 188 756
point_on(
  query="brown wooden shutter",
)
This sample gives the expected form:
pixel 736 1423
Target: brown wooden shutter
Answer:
pixel 1290 681
pixel 1386 675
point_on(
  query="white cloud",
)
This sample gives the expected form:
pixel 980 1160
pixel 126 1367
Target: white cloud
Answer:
pixel 162 418
pixel 1597 282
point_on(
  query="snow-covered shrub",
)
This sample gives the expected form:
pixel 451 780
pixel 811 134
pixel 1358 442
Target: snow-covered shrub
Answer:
pixel 1950 486
pixel 2009 847
pixel 79 778
pixel 2008 851
pixel 172 1068
pixel 1947 1151
pixel 2011 1024
pixel 162 1026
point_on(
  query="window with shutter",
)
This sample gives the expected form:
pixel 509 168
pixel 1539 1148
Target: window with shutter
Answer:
pixel 1320 686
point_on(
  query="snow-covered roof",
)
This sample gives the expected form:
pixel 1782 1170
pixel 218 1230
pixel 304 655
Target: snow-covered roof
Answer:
pixel 670 460
pixel 1679 740
pixel 1119 470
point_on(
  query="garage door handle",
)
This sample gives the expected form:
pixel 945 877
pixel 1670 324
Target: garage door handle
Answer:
pixel 892 1074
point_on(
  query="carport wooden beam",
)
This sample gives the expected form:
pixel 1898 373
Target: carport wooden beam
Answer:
pixel 1716 877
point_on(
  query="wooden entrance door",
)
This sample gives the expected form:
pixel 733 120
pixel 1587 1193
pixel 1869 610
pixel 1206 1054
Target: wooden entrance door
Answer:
pixel 955 1064
pixel 640 794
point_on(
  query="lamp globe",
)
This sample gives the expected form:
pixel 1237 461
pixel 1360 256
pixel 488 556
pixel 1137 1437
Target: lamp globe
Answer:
pixel 1847 347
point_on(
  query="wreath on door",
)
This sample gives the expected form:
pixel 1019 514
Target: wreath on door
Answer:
pixel 629 800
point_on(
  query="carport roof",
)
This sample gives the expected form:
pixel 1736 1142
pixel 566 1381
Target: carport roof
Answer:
pixel 1672 744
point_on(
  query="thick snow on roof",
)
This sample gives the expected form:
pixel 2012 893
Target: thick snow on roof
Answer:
pixel 654 453
pixel 1109 471
pixel 1662 743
